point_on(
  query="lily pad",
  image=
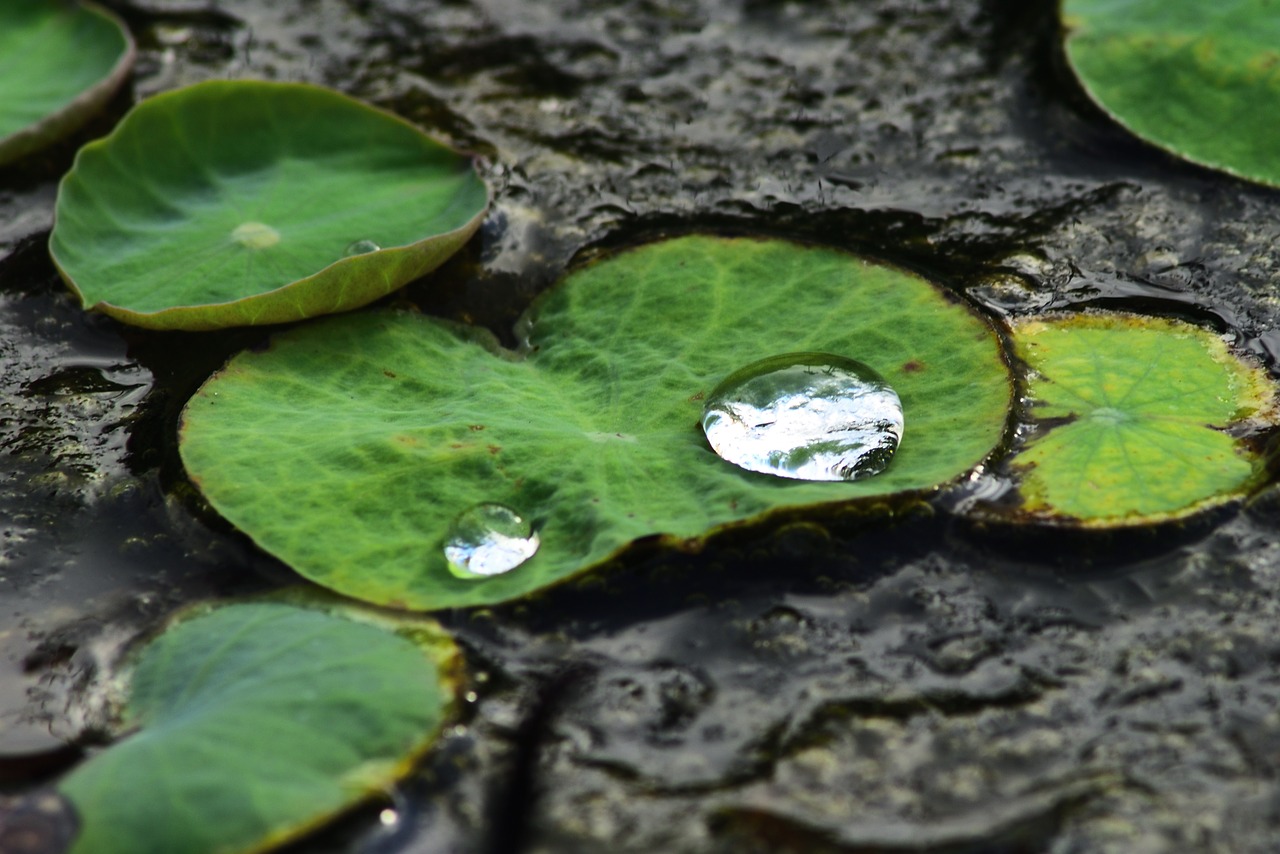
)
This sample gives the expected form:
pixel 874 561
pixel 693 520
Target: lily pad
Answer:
pixel 256 722
pixel 60 62
pixel 349 447
pixel 1200 79
pixel 238 203
pixel 1135 411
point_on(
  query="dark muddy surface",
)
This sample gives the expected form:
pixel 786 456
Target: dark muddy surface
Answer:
pixel 913 681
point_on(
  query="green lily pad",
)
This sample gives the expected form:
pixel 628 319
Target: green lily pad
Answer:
pixel 60 62
pixel 1200 79
pixel 1145 403
pixel 349 447
pixel 239 203
pixel 257 722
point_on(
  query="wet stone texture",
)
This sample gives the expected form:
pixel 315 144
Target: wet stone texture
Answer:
pixel 916 682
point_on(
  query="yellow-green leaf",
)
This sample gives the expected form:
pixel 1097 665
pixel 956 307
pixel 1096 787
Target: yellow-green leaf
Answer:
pixel 1133 412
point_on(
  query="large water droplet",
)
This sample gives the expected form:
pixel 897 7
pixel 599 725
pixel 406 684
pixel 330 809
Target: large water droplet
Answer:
pixel 255 235
pixel 807 416
pixel 488 539
pixel 360 247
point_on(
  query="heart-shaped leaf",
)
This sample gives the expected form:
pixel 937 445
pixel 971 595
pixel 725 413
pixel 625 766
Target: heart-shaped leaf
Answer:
pixel 1200 78
pixel 1145 401
pixel 350 446
pixel 60 62
pixel 255 723
pixel 240 202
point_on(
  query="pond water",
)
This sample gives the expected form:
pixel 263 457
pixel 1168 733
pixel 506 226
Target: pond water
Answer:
pixel 862 681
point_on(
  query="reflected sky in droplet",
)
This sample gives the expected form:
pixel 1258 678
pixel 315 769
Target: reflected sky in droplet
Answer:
pixel 805 416
pixel 487 540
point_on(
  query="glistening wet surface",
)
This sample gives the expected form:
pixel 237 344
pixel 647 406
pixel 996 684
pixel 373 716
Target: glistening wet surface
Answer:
pixel 920 682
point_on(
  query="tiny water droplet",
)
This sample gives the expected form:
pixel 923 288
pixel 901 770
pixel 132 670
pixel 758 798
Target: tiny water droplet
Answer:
pixel 489 539
pixel 255 235
pixel 360 247
pixel 805 416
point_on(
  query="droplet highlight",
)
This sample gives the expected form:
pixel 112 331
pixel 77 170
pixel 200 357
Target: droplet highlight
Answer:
pixel 255 235
pixel 487 540
pixel 805 416
pixel 360 247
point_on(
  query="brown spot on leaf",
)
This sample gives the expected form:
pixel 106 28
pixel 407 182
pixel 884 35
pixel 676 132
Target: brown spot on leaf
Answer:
pixel 494 449
pixel 699 396
pixel 388 374
pixel 475 428
pixel 913 367
pixel 408 441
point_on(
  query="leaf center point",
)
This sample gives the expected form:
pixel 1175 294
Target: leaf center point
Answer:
pixel 255 235
pixel 1110 416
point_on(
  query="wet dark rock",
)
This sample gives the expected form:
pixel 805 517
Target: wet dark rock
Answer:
pixel 38 823
pixel 859 686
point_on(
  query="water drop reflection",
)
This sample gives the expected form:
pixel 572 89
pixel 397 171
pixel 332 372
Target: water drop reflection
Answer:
pixel 360 247
pixel 805 416
pixel 489 539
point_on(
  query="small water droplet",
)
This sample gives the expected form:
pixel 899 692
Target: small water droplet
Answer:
pixel 360 247
pixel 255 235
pixel 806 416
pixel 489 539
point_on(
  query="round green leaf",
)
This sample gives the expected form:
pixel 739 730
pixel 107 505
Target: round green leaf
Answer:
pixel 238 203
pixel 348 447
pixel 1137 407
pixel 60 62
pixel 257 722
pixel 1198 78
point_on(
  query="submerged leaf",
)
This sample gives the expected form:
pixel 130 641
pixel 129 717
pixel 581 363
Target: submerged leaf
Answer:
pixel 257 722
pixel 242 202
pixel 59 63
pixel 1143 401
pixel 1198 78
pixel 350 447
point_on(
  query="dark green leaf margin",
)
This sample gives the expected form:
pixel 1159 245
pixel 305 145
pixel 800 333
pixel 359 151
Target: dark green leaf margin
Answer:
pixel 60 62
pixel 1199 78
pixel 233 203
pixel 349 446
pixel 257 722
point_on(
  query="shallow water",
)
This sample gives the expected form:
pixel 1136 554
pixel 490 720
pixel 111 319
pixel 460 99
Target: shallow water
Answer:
pixel 915 682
